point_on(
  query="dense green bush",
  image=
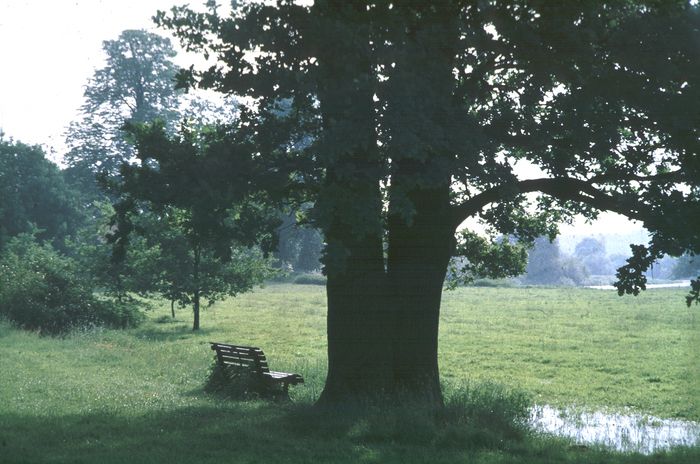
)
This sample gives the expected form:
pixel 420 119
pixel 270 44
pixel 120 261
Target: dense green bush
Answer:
pixel 310 279
pixel 40 290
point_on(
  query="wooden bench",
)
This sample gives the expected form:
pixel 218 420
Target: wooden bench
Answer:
pixel 252 360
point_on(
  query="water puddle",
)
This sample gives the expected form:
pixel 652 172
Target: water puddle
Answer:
pixel 627 433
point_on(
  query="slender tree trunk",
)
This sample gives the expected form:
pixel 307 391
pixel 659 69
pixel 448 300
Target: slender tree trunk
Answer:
pixel 172 307
pixel 195 281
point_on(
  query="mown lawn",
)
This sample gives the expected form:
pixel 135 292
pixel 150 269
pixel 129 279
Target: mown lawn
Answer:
pixel 137 395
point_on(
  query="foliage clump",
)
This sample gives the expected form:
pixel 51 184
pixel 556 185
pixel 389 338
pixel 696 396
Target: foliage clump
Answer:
pixel 310 278
pixel 42 290
pixel 240 384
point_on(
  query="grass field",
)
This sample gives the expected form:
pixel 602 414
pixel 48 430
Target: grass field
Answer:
pixel 137 395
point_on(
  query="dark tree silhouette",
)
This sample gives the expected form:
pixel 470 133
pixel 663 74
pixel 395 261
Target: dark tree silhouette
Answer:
pixel 419 113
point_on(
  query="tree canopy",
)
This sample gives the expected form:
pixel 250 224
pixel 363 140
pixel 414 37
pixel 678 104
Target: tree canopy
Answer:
pixel 400 120
pixel 200 209
pixel 137 83
pixel 34 195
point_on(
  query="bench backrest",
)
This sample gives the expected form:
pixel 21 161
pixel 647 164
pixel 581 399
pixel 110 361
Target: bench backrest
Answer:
pixel 241 356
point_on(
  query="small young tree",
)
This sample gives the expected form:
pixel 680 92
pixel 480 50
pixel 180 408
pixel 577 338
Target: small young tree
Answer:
pixel 206 239
pixel 189 271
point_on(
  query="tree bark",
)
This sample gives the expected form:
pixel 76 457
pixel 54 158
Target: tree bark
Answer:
pixel 383 324
pixel 418 254
pixel 359 352
pixel 383 315
pixel 195 281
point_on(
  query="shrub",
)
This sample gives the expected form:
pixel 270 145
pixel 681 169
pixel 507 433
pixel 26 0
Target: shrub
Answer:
pixel 310 279
pixel 40 290
pixel 240 384
pixel 502 283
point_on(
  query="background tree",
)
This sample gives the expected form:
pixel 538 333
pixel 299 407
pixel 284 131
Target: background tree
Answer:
pixel 136 84
pixel 591 252
pixel 687 266
pixel 310 248
pixel 299 247
pixel 136 273
pixel 419 113
pixel 34 195
pixel 663 268
pixel 548 266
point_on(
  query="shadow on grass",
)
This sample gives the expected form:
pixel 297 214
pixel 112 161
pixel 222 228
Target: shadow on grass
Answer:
pixel 261 432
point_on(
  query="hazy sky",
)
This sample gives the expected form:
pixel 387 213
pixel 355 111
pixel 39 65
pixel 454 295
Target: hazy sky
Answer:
pixel 50 48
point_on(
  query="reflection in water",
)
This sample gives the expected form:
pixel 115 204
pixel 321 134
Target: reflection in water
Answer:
pixel 643 434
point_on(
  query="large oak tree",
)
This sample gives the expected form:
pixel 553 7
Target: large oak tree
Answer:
pixel 420 115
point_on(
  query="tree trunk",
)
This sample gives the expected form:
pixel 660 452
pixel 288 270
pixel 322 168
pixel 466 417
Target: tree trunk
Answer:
pixel 172 308
pixel 195 281
pixel 418 254
pixel 359 353
pixel 383 325
pixel 350 210
pixel 382 316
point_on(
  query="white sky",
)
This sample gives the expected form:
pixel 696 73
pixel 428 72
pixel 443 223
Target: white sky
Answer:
pixel 48 51
pixel 50 48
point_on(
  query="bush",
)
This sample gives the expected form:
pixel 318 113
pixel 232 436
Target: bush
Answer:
pixel 240 384
pixel 40 290
pixel 500 283
pixel 310 279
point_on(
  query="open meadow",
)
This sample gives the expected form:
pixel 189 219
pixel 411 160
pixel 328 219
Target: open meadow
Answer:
pixel 137 395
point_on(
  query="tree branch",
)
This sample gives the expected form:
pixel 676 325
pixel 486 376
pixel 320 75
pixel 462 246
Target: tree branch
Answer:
pixel 562 188
pixel 672 176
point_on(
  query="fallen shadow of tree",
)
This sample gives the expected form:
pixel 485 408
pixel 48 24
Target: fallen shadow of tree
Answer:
pixel 263 431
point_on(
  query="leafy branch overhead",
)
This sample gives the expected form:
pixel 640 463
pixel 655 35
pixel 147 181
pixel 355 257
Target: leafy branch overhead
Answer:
pixel 560 87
